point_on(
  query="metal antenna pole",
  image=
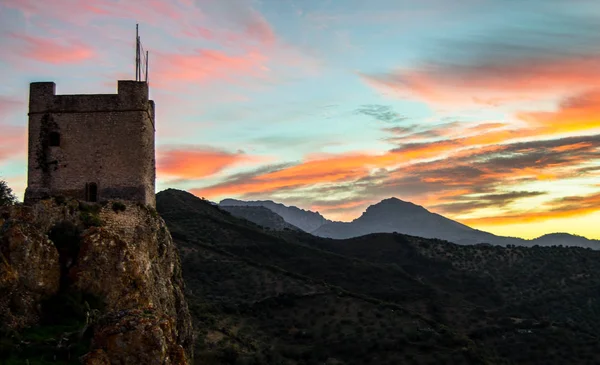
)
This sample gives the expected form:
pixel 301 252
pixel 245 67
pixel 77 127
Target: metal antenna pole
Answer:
pixel 146 66
pixel 137 52
pixel 140 59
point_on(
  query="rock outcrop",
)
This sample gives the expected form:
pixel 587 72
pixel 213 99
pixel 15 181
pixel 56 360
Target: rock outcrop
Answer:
pixel 118 268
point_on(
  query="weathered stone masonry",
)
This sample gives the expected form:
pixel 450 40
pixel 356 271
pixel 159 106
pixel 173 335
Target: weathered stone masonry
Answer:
pixel 91 147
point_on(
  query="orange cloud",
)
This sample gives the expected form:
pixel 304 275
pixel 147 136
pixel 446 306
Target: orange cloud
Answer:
pixel 573 147
pixel 51 50
pixel 331 169
pixel 474 162
pixel 352 166
pixel 467 179
pixel 560 208
pixel 198 163
pixel 575 114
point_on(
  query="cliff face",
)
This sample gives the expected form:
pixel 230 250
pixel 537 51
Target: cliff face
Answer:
pixel 112 273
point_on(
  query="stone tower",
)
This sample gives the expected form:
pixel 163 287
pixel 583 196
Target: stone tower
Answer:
pixel 91 147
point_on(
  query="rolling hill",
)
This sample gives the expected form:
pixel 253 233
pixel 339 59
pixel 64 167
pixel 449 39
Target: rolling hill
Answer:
pixel 287 297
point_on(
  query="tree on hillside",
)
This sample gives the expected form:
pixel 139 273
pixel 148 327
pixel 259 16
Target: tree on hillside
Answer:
pixel 6 195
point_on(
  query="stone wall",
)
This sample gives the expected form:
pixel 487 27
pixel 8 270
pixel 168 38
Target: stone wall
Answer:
pixel 107 140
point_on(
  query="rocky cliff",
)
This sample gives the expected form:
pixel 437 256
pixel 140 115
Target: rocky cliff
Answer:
pixel 101 283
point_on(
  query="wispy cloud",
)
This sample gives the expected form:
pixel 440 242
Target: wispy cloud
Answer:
pixel 207 65
pixel 52 50
pixel 490 84
pixel 501 63
pixel 9 106
pixel 13 141
pixel 383 113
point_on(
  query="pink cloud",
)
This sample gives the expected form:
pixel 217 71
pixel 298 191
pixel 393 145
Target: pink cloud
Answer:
pixel 235 21
pixel 177 16
pixel 13 141
pixel 80 12
pixel 9 106
pixel 67 10
pixel 258 28
pixel 51 50
pixel 205 64
pixel 490 85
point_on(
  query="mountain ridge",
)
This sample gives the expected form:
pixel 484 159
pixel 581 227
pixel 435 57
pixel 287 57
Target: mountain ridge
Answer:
pixel 397 215
pixel 306 220
pixel 260 215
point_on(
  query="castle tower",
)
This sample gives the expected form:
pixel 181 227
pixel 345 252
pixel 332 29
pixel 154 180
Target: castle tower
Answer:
pixel 91 147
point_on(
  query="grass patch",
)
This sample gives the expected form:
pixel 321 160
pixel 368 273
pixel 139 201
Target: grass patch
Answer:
pixel 118 207
pixel 90 220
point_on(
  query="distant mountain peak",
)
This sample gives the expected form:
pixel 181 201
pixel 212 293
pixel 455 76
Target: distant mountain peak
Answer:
pixel 393 206
pixel 397 202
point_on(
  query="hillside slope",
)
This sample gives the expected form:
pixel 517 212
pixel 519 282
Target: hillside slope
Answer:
pixel 306 220
pixel 260 215
pixel 290 297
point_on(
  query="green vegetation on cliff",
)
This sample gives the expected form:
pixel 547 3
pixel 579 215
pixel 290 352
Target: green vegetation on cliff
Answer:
pixel 6 194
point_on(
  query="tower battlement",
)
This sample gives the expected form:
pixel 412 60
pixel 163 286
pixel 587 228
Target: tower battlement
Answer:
pixel 131 95
pixel 91 146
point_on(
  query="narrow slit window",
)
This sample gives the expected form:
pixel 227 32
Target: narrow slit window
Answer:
pixel 54 139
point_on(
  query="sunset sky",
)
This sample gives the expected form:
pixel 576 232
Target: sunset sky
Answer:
pixel 485 111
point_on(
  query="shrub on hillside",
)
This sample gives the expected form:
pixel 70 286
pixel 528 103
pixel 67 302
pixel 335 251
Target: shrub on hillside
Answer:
pixel 6 194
